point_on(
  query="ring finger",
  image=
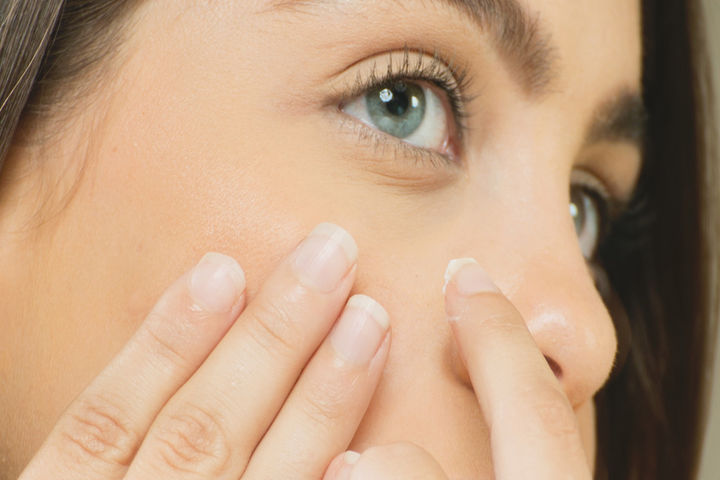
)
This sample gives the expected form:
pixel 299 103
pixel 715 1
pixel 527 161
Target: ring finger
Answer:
pixel 322 413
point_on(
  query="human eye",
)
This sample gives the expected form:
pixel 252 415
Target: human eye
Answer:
pixel 416 102
pixel 591 208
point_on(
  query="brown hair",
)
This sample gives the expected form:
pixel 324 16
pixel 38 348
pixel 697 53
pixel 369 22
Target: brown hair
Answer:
pixel 48 49
pixel 651 412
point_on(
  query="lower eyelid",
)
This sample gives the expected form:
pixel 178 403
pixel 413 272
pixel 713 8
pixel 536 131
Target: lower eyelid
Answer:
pixel 402 154
pixel 382 139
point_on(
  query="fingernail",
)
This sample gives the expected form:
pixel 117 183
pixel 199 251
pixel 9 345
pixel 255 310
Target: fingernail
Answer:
pixel 344 470
pixel 324 257
pixel 351 458
pixel 469 277
pixel 216 283
pixel 360 330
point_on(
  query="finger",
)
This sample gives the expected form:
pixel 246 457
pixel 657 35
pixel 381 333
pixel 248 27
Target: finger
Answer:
pixel 322 413
pixel 534 430
pixel 212 425
pixel 101 430
pixel 388 462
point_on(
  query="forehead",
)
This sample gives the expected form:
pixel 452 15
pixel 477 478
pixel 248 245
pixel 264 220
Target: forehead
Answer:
pixel 599 41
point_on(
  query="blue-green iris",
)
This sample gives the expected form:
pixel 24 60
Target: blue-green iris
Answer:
pixel 577 210
pixel 397 109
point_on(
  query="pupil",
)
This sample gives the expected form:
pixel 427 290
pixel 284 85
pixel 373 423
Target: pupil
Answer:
pixel 396 99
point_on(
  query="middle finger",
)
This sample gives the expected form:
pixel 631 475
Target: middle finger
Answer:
pixel 211 426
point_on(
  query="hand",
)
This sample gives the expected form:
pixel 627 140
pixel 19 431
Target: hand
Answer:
pixel 212 388
pixel 534 431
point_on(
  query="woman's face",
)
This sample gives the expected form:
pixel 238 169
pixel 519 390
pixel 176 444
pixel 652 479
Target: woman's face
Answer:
pixel 236 126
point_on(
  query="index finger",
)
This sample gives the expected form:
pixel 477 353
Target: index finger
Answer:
pixel 534 430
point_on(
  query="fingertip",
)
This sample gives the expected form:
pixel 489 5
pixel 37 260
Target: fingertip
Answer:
pixel 351 457
pixel 342 465
pixel 216 283
pixel 360 331
pixel 469 277
pixel 453 267
pixel 464 278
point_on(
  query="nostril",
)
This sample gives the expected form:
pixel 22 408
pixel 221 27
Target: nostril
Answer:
pixel 555 367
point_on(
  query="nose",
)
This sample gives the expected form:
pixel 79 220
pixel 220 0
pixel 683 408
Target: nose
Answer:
pixel 569 322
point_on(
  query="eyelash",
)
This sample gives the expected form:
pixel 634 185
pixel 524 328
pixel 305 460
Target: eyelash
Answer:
pixel 453 81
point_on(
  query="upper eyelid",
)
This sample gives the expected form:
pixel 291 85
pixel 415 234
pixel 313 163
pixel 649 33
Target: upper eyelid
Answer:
pixel 423 66
pixel 589 179
pixel 615 205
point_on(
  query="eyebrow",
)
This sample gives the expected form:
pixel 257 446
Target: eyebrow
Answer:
pixel 622 118
pixel 518 36
pixel 516 33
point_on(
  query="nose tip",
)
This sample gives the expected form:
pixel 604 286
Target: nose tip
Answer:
pixel 577 338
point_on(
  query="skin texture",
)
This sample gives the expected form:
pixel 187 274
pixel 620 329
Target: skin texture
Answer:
pixel 218 130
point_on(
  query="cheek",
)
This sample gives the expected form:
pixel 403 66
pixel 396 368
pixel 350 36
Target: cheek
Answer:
pixel 586 420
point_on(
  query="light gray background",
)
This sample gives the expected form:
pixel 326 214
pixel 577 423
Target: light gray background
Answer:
pixel 710 469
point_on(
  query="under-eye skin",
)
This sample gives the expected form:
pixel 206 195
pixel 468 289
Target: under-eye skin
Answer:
pixel 414 105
